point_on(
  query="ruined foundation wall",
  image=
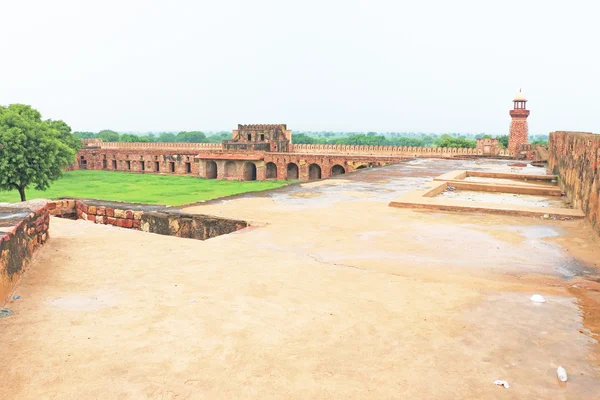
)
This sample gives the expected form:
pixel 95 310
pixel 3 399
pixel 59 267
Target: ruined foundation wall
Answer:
pixel 575 157
pixel 147 218
pixel 23 228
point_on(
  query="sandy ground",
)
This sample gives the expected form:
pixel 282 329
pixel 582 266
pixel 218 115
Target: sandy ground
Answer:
pixel 330 295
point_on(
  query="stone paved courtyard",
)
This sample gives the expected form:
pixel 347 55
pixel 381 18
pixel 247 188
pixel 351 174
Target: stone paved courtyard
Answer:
pixel 330 294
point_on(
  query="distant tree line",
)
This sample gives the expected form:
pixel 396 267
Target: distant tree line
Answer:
pixel 108 135
pixel 403 139
pixel 410 139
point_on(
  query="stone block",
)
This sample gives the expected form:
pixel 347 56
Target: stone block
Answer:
pixel 91 217
pixel 112 220
pixel 129 214
pixel 92 210
pixel 137 215
pixel 137 223
pixel 99 219
pixel 119 213
pixel 100 210
pixel 51 206
pixel 110 212
pixel 84 215
pixel 84 207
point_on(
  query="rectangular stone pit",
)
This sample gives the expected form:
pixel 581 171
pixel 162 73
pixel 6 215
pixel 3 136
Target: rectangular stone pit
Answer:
pixel 429 197
pixel 148 218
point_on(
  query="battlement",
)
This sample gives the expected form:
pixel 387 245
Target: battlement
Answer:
pixel 389 150
pixel 261 127
pixel 155 145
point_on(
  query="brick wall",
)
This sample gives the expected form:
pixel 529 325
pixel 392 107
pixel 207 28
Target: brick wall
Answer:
pixel 147 218
pixel 23 228
pixel 334 149
pixel 575 157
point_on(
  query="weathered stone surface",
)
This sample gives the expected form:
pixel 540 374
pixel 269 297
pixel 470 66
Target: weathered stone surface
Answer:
pixel 24 227
pixel 119 213
pixel 575 157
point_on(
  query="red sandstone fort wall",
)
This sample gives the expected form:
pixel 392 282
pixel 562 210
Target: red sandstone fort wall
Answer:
pixel 575 157
pixel 388 150
pixel 18 241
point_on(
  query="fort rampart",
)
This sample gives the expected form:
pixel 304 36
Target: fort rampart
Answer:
pixel 575 157
pixel 23 228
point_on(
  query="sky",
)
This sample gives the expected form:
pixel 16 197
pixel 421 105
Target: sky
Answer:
pixel 328 65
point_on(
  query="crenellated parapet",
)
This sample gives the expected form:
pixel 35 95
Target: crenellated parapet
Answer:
pixel 390 150
pixel 159 146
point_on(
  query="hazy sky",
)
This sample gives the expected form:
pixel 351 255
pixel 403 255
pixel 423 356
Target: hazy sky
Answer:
pixel 425 66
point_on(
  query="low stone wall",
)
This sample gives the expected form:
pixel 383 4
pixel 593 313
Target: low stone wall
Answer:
pixel 575 157
pixel 148 218
pixel 23 228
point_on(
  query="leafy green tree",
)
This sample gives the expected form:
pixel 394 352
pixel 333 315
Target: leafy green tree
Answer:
pixel 302 138
pixel 191 137
pixel 32 152
pixel 108 136
pixel 85 135
pixel 130 138
pixel 503 140
pixel 167 137
pixel 218 137
pixel 450 141
pixel 65 134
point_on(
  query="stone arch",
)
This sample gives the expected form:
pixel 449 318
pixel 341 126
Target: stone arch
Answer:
pixel 363 166
pixel 211 170
pixel 249 171
pixel 230 169
pixel 271 170
pixel 314 172
pixel 337 170
pixel 291 171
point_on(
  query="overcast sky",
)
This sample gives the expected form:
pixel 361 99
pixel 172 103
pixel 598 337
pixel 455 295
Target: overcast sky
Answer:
pixel 423 66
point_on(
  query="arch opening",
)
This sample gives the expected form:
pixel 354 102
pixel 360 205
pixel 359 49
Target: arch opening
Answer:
pixel 230 169
pixel 361 167
pixel 337 170
pixel 211 170
pixel 292 171
pixel 249 171
pixel 271 170
pixel 314 172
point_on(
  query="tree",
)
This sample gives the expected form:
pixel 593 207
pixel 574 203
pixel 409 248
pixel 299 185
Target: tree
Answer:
pixel 191 137
pixel 85 135
pixel 449 141
pixel 503 140
pixel 302 138
pixel 65 135
pixel 166 137
pixel 32 152
pixel 108 136
pixel 130 138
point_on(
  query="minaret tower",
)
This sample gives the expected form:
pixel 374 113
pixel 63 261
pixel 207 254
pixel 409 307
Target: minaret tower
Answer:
pixel 518 125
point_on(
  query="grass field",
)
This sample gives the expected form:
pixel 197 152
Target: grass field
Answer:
pixel 140 188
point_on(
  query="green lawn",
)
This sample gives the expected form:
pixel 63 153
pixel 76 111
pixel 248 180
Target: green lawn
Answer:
pixel 140 188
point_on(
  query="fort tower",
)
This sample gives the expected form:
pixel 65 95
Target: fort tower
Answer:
pixel 518 125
